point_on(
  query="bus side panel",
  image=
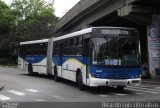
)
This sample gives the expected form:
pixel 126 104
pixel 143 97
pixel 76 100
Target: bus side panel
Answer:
pixel 40 67
pixel 35 68
pixel 21 64
pixel 38 63
pixel 69 70
pixel 70 66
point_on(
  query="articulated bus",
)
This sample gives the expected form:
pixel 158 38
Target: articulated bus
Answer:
pixel 98 56
pixel 33 56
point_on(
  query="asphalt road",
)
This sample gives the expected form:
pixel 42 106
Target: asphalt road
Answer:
pixel 20 87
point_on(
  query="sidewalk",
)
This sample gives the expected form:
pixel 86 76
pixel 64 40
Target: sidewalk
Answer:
pixel 151 81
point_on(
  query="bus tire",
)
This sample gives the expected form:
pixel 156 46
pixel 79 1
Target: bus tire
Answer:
pixel 80 80
pixel 120 87
pixel 30 69
pixel 56 78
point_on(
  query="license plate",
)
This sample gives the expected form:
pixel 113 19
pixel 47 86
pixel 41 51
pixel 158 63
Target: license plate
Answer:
pixel 118 82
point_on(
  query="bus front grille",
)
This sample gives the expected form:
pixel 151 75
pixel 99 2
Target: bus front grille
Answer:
pixel 117 76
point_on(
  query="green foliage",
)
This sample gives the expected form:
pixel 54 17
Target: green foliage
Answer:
pixel 4 61
pixel 24 20
pixel 31 9
pixel 34 19
pixel 6 21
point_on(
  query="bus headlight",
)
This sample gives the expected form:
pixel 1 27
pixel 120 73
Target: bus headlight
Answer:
pixel 137 76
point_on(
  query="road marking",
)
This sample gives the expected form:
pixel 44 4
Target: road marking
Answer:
pixel 16 92
pixel 141 90
pixel 142 86
pixel 32 90
pixel 158 87
pixel 119 94
pixel 146 85
pixel 145 88
pixel 58 97
pixel 39 100
pixel 4 98
pixel 103 95
pixel 140 93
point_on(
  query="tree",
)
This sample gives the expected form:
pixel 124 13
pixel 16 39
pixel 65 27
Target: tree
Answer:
pixel 34 19
pixel 6 21
pixel 24 20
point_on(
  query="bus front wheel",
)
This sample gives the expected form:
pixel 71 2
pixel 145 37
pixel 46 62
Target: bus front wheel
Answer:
pixel 56 78
pixel 80 81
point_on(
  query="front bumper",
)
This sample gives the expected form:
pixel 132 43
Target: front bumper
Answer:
pixel 114 82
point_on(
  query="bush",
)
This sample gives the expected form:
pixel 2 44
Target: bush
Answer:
pixel 4 61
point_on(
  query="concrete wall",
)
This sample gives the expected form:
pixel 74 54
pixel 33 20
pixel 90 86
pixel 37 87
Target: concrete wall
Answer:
pixel 76 10
pixel 86 12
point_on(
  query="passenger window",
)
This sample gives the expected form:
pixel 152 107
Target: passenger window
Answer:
pixel 75 41
pixel 67 43
pixel 71 42
pixel 80 42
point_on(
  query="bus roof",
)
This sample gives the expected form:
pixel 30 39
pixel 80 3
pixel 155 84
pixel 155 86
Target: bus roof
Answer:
pixel 85 31
pixel 33 42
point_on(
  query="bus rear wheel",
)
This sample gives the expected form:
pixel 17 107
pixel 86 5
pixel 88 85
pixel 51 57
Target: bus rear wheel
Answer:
pixel 80 81
pixel 56 78
pixel 30 69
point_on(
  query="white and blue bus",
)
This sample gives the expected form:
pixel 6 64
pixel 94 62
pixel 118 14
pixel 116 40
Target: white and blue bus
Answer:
pixel 98 56
pixel 33 56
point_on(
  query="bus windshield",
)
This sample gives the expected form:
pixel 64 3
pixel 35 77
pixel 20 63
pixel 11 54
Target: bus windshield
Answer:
pixel 120 51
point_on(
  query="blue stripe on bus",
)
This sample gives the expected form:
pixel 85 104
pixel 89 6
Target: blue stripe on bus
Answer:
pixel 35 59
pixel 57 60
pixel 115 73
pixel 79 58
pixel 101 72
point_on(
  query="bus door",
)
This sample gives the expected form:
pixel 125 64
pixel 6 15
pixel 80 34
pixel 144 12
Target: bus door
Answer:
pixel 86 59
pixel 61 57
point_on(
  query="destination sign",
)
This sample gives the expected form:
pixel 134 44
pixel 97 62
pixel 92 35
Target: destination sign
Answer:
pixel 101 32
pixel 116 32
